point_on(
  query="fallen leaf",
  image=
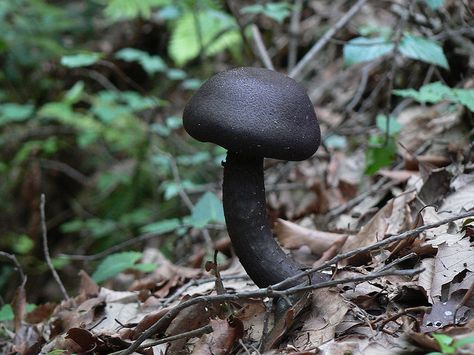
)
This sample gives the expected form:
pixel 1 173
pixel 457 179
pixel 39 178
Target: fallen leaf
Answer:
pixel 220 341
pixel 293 236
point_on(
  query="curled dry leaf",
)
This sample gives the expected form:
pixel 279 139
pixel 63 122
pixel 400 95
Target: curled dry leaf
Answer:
pixel 293 236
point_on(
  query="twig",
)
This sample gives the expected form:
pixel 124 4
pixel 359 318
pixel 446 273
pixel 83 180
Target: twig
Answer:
pixel 191 334
pixel 294 34
pixel 14 260
pixel 184 196
pixel 300 69
pixel 260 293
pixel 261 50
pixel 113 249
pixel 46 250
pixel 389 240
pixel 67 170
pixel 194 282
pixel 362 85
pixel 397 261
pixel 100 78
pixel 336 211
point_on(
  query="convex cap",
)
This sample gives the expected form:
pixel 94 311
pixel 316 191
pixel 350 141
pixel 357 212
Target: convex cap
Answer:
pixel 254 111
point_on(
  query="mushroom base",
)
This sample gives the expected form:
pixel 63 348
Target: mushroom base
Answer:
pixel 248 225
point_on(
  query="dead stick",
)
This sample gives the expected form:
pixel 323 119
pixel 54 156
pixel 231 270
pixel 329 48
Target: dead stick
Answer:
pixel 46 250
pixel 260 293
pixel 390 240
pixel 299 70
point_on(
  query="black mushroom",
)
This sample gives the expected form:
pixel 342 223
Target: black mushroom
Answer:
pixel 254 113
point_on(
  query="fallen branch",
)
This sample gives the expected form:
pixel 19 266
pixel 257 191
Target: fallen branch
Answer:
pixel 260 293
pixel 390 240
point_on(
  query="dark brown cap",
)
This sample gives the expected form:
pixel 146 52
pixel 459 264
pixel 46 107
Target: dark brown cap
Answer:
pixel 254 111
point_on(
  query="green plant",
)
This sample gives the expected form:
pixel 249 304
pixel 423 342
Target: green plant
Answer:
pixel 382 146
pixel 437 92
pixel 448 345
pixel 363 49
pixel 114 264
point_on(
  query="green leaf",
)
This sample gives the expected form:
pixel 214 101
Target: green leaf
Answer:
pixel 393 126
pixel 176 74
pixel 23 244
pixel 162 227
pixel 434 4
pixel 437 92
pixel 74 94
pixel 335 141
pixel 129 9
pixel 150 63
pixel 114 264
pixel 277 11
pixel 463 341
pixel 444 341
pixel 6 312
pixel 80 60
pixel 362 49
pixel 207 209
pixel 423 49
pixel 184 44
pixel 145 267
pixel 12 112
pixel 379 153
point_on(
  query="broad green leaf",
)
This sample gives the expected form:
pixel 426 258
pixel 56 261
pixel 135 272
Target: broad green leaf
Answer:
pixel 150 63
pixel 444 342
pixel 184 44
pixel 379 153
pixel 463 341
pixel 74 94
pixel 130 9
pixel 207 209
pixel 393 126
pixel 437 92
pixel 191 84
pixel 80 60
pixel 362 49
pixel 114 264
pixel 277 11
pixel 431 93
pixel 145 267
pixel 423 49
pixel 464 97
pixel 12 112
pixel 176 74
pixel 162 227
pixel 336 142
pixel 434 4
pixel 23 244
pixel 6 312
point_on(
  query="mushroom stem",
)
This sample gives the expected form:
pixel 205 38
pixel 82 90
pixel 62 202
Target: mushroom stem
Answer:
pixel 247 222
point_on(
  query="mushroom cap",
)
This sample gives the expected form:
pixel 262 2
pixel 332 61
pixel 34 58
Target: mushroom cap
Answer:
pixel 254 111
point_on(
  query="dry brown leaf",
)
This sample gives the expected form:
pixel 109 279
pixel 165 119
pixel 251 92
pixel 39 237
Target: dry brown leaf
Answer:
pixel 190 318
pixel 220 341
pixel 87 286
pixel 391 219
pixel 397 175
pixel 252 315
pixel 450 261
pixel 293 236
pixel 329 309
